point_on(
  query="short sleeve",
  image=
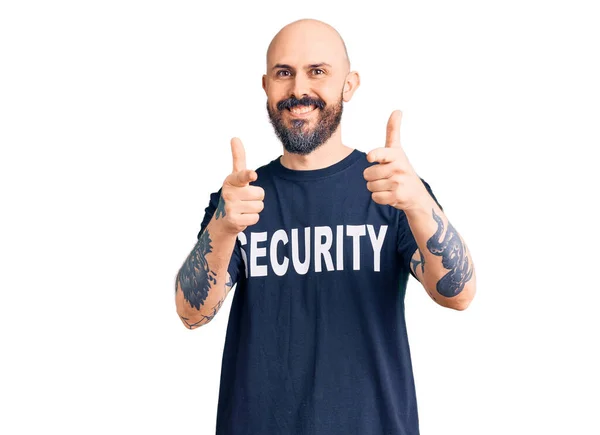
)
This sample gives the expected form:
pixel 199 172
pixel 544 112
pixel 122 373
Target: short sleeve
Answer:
pixel 236 264
pixel 407 245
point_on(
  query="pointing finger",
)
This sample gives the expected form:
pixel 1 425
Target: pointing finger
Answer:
pixel 242 178
pixel 381 155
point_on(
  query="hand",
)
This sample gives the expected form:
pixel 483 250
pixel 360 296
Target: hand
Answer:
pixel 393 181
pixel 242 202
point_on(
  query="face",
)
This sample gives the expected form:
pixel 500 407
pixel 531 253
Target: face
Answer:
pixel 302 125
pixel 306 83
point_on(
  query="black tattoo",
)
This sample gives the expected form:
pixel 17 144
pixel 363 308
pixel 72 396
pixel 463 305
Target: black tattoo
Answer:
pixel 195 277
pixel 454 257
pixel 415 263
pixel 204 319
pixel 220 211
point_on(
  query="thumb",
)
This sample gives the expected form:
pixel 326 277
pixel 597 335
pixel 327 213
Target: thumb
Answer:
pixel 392 139
pixel 239 155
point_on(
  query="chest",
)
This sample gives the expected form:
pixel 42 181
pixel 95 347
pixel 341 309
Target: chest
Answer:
pixel 304 230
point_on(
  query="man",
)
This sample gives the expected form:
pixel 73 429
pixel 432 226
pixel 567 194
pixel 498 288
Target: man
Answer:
pixel 320 243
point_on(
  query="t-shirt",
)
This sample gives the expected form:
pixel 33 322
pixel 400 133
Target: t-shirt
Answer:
pixel 316 340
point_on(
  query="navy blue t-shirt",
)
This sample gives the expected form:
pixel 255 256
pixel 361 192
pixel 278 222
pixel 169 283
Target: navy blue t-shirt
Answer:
pixel 316 341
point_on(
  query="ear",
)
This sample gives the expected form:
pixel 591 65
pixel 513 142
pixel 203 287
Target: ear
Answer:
pixel 351 84
pixel 264 82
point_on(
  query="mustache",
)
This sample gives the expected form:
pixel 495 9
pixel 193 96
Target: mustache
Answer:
pixel 292 102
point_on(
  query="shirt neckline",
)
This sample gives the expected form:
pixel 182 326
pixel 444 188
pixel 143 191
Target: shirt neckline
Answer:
pixel 313 174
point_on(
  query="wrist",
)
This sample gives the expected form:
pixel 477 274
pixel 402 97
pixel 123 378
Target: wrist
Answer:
pixel 221 229
pixel 421 207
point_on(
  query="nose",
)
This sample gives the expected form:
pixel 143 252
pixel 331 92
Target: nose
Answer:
pixel 300 86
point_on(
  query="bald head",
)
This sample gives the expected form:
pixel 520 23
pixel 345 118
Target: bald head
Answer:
pixel 308 39
pixel 307 80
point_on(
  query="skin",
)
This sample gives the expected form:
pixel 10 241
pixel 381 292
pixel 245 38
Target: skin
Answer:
pixel 301 45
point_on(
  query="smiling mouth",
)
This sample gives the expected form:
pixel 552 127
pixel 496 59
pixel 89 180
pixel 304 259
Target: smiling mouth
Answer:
pixel 302 110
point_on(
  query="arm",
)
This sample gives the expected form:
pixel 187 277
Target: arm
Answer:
pixel 442 263
pixel 203 281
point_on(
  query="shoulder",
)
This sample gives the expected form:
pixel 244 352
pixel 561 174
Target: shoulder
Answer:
pixel 267 168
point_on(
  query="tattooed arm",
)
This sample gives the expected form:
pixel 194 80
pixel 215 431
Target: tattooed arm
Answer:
pixel 203 282
pixel 442 263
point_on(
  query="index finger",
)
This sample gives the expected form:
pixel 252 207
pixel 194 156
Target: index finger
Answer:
pixel 381 155
pixel 242 178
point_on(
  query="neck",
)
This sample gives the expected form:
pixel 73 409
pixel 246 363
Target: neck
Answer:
pixel 326 155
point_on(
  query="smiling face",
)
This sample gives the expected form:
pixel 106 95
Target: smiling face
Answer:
pixel 304 124
pixel 307 81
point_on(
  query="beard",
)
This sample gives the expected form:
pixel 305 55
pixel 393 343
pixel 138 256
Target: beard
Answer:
pixel 299 138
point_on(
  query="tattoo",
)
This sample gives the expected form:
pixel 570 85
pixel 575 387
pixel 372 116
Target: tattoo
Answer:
pixel 195 276
pixel 454 257
pixel 414 263
pixel 220 211
pixel 204 319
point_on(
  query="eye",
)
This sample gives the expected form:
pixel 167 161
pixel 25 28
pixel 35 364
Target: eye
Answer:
pixel 282 73
pixel 321 72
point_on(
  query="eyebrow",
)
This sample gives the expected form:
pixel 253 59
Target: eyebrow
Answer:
pixel 314 65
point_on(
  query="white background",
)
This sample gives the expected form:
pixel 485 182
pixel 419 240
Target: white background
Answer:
pixel 115 120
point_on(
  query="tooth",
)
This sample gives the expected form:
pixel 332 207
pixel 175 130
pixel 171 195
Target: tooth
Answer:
pixel 302 109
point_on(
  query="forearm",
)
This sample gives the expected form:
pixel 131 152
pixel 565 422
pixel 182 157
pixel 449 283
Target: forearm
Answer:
pixel 446 267
pixel 203 282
